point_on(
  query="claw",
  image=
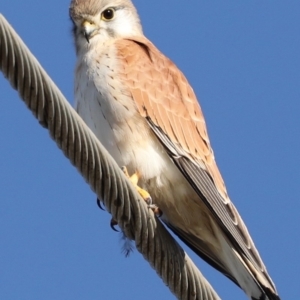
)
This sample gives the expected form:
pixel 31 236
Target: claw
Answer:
pixel 157 211
pixel 113 223
pixel 149 200
pixel 99 204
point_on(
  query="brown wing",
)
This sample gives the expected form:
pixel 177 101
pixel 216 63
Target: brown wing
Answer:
pixel 164 97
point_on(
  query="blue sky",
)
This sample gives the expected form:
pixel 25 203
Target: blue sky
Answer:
pixel 243 60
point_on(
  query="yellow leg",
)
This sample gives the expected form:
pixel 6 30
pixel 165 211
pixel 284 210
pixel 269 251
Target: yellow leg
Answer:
pixel 134 179
pixel 144 194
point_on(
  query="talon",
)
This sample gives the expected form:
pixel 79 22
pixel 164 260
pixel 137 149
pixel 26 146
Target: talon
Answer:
pixel 157 211
pixel 113 223
pixel 149 200
pixel 99 204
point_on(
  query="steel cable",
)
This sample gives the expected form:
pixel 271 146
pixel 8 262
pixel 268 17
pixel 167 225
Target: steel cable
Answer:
pixel 100 171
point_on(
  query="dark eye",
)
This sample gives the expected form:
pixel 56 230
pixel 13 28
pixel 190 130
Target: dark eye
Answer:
pixel 108 14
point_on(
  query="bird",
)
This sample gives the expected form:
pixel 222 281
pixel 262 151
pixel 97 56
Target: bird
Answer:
pixel 145 113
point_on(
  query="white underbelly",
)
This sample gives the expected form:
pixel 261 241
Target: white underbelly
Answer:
pixel 129 140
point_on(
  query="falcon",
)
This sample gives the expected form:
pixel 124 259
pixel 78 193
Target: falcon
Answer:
pixel 143 110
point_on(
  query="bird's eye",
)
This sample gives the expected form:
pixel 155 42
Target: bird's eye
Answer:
pixel 108 14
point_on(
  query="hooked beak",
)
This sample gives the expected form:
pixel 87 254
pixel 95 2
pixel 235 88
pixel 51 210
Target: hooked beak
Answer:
pixel 88 29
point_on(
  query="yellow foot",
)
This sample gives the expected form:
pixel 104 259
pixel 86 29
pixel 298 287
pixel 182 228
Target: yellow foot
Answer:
pixel 144 194
pixel 134 179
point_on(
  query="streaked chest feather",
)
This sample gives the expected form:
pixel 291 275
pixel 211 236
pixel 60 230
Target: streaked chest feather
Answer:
pixel 106 106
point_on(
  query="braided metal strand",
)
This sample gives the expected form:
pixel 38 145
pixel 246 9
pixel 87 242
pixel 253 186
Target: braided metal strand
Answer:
pixel 100 171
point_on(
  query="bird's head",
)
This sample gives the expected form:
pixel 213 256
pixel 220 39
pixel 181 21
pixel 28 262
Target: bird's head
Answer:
pixel 103 20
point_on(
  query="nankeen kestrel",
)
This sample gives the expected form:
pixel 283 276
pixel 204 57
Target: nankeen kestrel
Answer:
pixel 145 113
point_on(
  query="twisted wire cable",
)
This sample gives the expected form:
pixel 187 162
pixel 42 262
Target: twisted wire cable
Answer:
pixel 98 168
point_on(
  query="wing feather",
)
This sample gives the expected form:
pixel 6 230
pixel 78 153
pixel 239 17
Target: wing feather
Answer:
pixel 164 97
